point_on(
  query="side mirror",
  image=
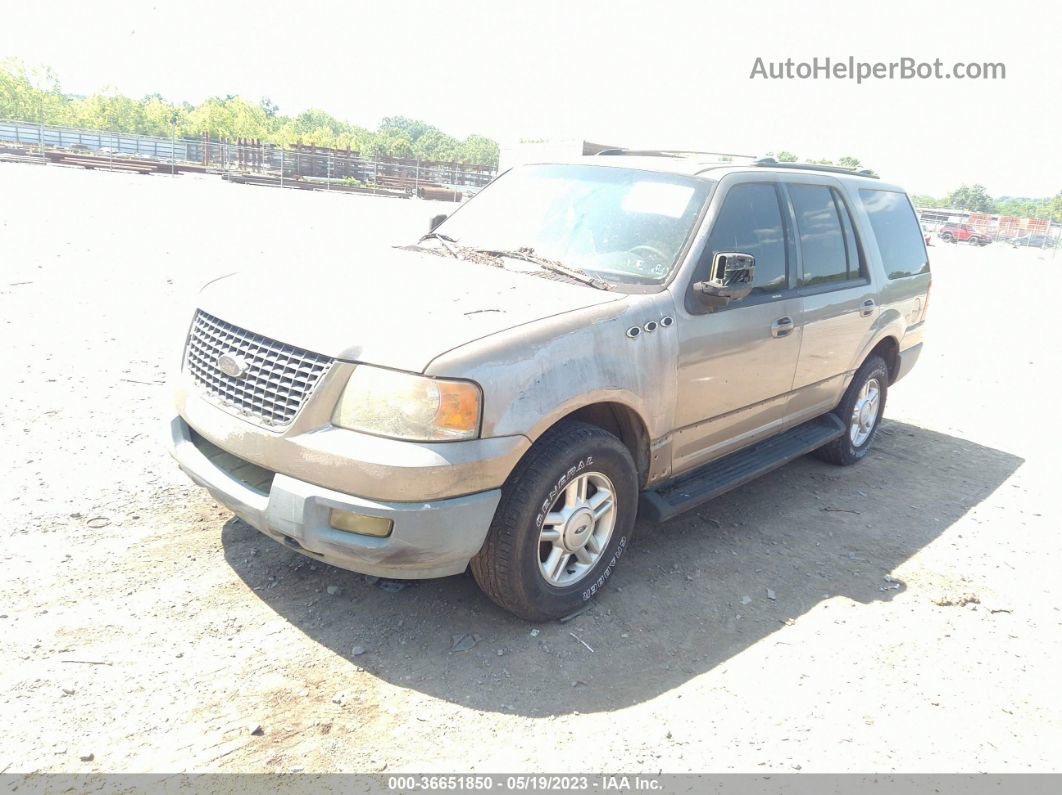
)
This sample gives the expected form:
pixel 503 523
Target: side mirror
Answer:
pixel 730 277
pixel 433 224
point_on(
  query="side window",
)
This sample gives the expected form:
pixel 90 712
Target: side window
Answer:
pixel 903 251
pixel 822 241
pixel 750 222
pixel 851 244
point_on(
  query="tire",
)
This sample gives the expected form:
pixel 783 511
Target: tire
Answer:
pixel 511 568
pixel 853 446
pixel 948 237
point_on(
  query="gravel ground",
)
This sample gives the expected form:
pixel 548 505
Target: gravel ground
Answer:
pixel 901 615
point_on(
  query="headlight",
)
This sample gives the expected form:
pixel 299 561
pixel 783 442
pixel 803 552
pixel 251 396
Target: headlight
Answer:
pixel 405 406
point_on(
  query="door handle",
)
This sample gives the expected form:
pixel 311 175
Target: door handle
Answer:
pixel 781 327
pixel 868 308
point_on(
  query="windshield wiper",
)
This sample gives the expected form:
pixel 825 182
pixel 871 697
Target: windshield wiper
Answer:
pixel 444 240
pixel 527 254
pixel 457 250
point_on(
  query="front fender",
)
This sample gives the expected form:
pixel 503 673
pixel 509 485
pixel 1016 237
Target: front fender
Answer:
pixel 535 375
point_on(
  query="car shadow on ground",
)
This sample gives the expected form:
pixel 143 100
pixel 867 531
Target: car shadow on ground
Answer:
pixel 690 594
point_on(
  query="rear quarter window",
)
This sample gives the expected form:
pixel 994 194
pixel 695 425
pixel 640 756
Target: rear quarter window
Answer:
pixel 899 235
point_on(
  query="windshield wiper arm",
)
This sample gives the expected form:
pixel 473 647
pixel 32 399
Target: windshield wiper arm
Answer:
pixel 444 240
pixel 459 250
pixel 527 254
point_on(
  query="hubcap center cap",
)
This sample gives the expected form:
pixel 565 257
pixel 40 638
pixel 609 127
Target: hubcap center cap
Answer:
pixel 578 529
pixel 864 414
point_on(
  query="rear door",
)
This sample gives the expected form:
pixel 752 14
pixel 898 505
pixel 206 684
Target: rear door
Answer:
pixel 838 297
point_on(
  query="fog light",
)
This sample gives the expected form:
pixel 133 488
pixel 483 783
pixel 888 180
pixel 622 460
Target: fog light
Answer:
pixel 361 524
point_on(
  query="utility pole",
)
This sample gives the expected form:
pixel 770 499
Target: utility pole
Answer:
pixel 40 123
pixel 40 129
pixel 173 145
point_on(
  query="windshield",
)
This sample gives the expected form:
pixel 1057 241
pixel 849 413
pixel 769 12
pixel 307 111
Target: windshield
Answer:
pixel 624 225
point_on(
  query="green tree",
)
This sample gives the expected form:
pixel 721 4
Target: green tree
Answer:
pixel 786 157
pixel 109 110
pixel 228 118
pixel 313 119
pixel 156 117
pixel 1053 207
pixel 849 162
pixel 971 197
pixel 401 127
pixel 436 145
pixel 926 201
pixel 269 107
pixel 400 146
pixel 29 93
pixel 480 150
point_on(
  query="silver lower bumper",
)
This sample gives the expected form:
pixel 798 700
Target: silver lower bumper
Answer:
pixel 429 539
pixel 907 361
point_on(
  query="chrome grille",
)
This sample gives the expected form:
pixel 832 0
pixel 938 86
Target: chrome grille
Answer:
pixel 278 380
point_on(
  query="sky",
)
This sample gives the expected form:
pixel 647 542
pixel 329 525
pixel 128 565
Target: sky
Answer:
pixel 649 74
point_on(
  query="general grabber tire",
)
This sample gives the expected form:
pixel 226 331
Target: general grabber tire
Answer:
pixel 564 521
pixel 860 410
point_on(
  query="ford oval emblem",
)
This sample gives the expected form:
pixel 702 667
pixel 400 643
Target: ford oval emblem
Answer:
pixel 233 365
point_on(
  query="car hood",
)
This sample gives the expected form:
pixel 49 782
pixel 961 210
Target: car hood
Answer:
pixel 392 307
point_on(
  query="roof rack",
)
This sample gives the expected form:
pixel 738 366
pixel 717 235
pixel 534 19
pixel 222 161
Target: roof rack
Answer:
pixel 772 163
pixel 669 153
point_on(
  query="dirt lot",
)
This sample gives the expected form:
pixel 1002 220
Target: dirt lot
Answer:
pixel 901 615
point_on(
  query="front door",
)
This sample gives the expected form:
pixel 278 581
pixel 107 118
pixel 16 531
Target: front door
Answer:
pixel 736 363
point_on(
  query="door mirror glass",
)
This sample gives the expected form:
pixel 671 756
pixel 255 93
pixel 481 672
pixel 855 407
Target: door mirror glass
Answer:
pixel 730 277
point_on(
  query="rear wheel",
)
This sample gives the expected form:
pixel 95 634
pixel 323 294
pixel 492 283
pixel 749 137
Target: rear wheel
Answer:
pixel 564 520
pixel 860 410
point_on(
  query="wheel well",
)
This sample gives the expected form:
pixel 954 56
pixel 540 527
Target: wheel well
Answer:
pixel 889 350
pixel 623 422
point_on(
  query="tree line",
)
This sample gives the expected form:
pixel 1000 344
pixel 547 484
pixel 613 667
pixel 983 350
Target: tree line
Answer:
pixel 844 162
pixel 35 95
pixel 976 199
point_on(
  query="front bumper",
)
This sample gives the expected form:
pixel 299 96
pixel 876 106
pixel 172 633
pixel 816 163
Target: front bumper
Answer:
pixel 430 539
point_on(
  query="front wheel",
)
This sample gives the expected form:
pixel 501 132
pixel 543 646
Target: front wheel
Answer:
pixel 565 519
pixel 860 410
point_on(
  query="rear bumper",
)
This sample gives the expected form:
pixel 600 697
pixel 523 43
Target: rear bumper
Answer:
pixel 430 539
pixel 907 359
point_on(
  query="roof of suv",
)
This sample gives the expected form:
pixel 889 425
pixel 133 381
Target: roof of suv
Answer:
pixel 695 164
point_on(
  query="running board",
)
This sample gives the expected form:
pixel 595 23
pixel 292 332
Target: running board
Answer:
pixel 704 484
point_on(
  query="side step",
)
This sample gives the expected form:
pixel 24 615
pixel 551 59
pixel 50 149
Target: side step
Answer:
pixel 704 484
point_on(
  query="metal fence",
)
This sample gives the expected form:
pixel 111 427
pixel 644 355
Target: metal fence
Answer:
pixel 30 134
pixel 246 161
